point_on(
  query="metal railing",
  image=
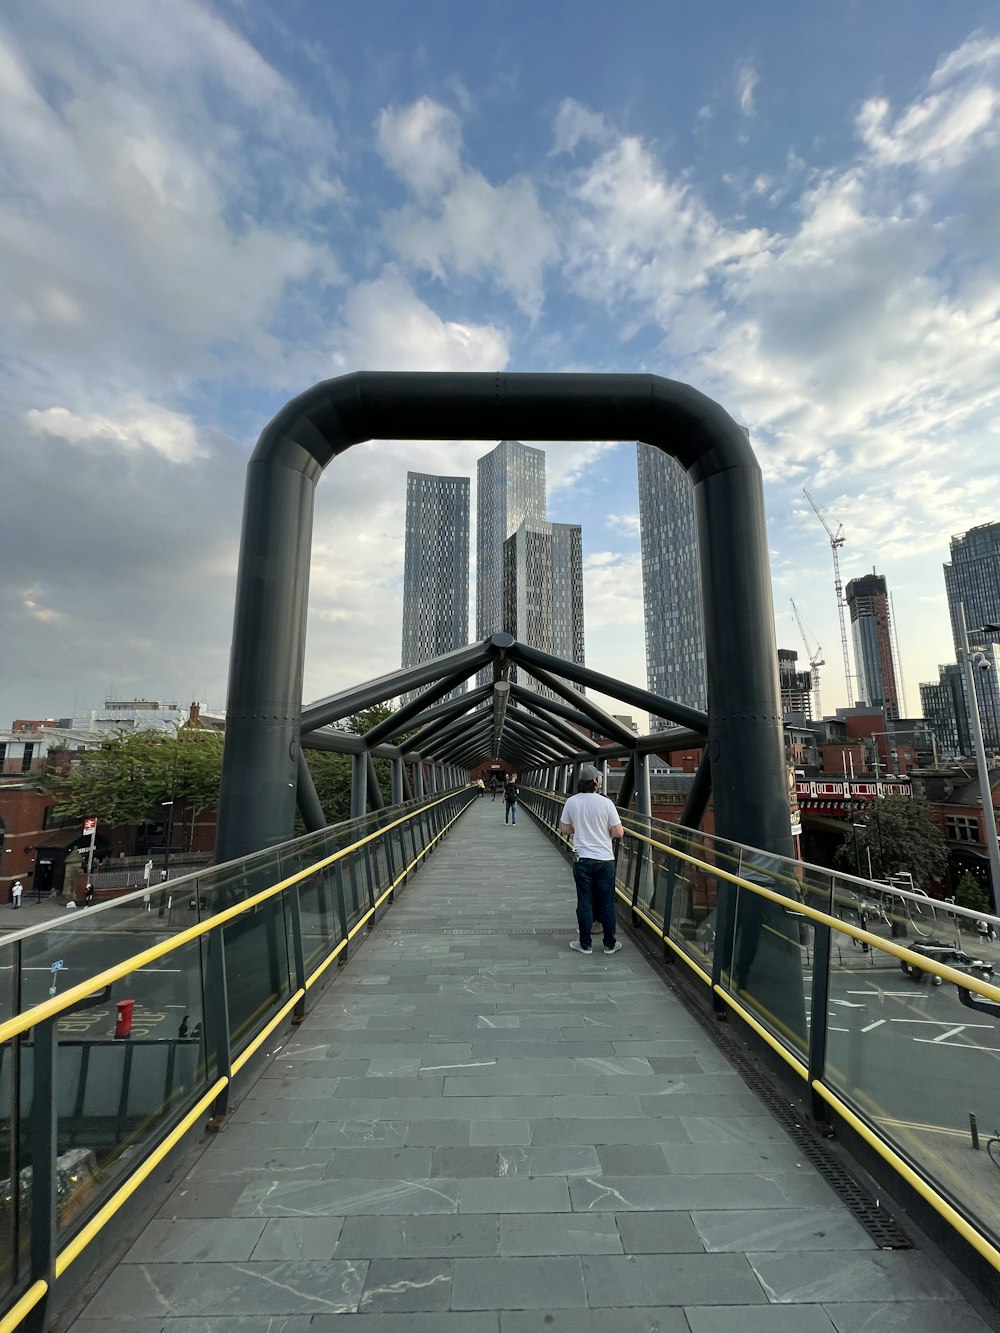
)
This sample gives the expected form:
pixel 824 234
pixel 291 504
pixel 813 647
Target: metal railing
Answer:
pixel 901 1041
pixel 121 1028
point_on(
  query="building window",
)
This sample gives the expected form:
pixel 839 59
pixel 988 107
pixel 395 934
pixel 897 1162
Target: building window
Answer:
pixel 962 829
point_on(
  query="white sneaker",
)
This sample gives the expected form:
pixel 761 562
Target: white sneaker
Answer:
pixel 615 948
pixel 575 944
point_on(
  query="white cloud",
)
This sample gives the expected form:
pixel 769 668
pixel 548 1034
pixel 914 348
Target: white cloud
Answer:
pixel 135 426
pixel 624 523
pixel 747 79
pixel 388 327
pixel 575 124
pixel 422 143
pixel 460 222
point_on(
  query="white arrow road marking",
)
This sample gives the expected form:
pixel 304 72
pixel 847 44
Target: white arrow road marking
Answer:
pixel 849 1004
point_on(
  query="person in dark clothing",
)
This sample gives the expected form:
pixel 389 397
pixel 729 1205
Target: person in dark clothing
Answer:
pixel 510 799
pixel 494 784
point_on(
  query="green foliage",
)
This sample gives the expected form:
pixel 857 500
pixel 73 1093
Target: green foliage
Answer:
pixel 127 780
pixel 969 892
pixel 901 835
pixel 332 772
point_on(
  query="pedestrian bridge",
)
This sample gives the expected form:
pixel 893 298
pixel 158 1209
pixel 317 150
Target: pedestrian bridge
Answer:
pixel 474 1128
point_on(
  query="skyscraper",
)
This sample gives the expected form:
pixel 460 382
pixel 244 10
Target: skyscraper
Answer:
pixel 796 686
pixel 510 490
pixel 671 587
pixel 972 579
pixel 436 568
pixel 871 630
pixel 543 588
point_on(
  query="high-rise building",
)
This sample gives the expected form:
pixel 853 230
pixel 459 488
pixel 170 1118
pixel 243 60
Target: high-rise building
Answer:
pixel 510 490
pixel 972 579
pixel 436 568
pixel 671 587
pixel 796 685
pixel 871 630
pixel 943 704
pixel 543 588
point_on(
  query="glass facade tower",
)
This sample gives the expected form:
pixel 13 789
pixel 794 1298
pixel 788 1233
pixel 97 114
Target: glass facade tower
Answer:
pixel 871 630
pixel 510 490
pixel 543 589
pixel 436 569
pixel 671 587
pixel 972 578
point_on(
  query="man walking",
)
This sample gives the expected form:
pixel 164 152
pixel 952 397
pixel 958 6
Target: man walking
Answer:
pixel 591 820
pixel 510 799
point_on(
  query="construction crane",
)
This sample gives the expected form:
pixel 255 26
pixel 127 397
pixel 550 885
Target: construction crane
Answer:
pixel 815 662
pixel 836 542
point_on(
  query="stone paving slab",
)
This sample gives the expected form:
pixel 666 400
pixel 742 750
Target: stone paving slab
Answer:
pixel 486 1133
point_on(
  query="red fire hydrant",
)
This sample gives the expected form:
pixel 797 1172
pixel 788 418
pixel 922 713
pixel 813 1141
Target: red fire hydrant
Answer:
pixel 123 1023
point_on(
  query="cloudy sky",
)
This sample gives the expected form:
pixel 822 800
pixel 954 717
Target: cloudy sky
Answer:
pixel 207 207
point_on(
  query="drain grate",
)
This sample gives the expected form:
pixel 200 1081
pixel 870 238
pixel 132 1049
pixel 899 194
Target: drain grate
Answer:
pixel 474 930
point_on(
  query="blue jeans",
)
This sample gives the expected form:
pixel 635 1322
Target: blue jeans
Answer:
pixel 595 887
pixel 510 812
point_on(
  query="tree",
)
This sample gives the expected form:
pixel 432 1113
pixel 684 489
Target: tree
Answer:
pixel 331 772
pixel 900 834
pixel 126 782
pixel 970 893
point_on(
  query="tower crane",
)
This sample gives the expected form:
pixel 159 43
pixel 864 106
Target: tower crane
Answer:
pixel 815 662
pixel 836 542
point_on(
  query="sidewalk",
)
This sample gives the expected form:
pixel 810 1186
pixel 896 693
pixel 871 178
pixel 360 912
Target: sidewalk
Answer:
pixel 476 1130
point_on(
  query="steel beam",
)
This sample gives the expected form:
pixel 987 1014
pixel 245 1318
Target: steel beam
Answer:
pixel 402 717
pixel 264 704
pixel 313 816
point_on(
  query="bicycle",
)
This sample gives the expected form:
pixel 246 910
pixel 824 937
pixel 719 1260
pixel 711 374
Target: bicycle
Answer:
pixel 993 1148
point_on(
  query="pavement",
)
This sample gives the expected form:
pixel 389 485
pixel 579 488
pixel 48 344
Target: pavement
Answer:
pixel 477 1130
pixel 32 913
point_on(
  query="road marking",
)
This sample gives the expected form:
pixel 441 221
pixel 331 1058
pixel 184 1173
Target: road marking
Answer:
pixel 959 1045
pixel 953 1032
pixel 833 1029
pixel 849 1004
pixel 877 1024
pixel 938 1023
pixel 905 994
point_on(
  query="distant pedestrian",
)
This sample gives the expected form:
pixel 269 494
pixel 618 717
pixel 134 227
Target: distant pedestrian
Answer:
pixel 482 786
pixel 15 893
pixel 183 1030
pixel 510 794
pixel 593 822
pixel 494 784
pixel 88 897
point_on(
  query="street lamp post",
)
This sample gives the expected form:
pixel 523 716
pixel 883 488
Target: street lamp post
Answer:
pixel 986 791
pixel 169 806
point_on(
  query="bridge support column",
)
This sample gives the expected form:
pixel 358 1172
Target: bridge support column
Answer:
pixel 359 781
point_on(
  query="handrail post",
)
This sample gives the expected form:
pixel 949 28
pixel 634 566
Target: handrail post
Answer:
pixel 338 879
pixel 44 1152
pixel 217 1021
pixel 298 953
pixel 818 1025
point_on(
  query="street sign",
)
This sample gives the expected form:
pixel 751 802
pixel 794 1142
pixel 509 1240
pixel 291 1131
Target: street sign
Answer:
pixel 90 826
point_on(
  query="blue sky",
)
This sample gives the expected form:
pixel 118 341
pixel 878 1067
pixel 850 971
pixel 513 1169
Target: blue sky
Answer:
pixel 206 207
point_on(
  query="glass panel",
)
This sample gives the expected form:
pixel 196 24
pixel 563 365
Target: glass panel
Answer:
pixel 125 1068
pixel 320 923
pixel 914 1060
pixel 257 971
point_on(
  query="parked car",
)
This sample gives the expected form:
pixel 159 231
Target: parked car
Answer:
pixel 939 952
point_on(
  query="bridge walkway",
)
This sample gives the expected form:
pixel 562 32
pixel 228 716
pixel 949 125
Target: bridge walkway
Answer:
pixel 477 1130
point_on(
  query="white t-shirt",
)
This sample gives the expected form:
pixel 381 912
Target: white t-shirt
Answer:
pixel 593 816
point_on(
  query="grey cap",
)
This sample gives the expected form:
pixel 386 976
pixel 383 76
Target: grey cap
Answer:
pixel 588 773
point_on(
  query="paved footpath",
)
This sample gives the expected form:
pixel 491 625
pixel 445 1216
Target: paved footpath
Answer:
pixel 478 1131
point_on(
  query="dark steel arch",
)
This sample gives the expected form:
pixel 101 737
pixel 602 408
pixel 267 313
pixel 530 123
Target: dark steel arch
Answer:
pixel 263 719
